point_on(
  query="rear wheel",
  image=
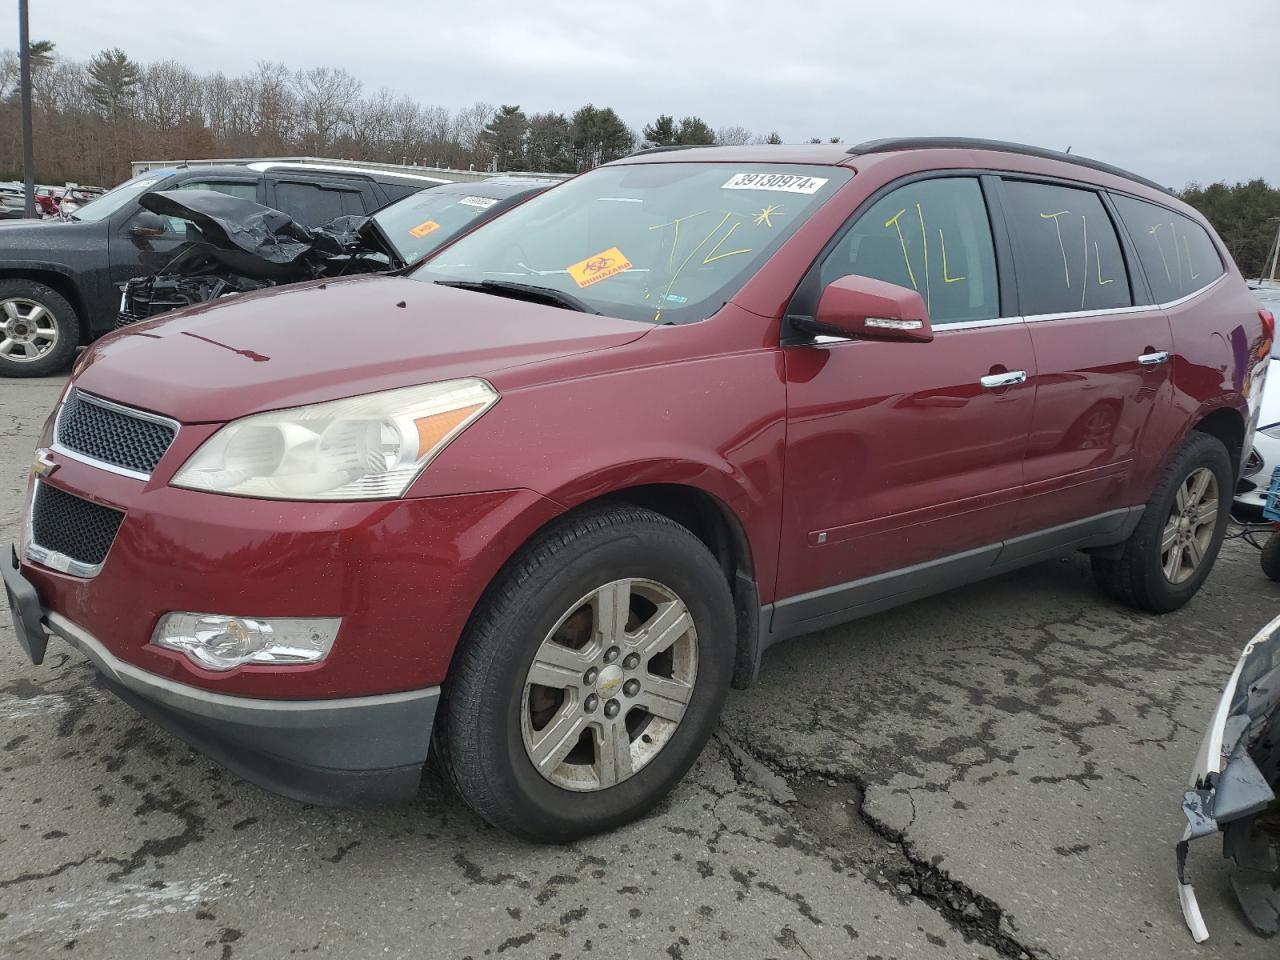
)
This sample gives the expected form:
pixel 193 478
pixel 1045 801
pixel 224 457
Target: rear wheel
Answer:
pixel 1271 556
pixel 39 330
pixel 1173 548
pixel 592 677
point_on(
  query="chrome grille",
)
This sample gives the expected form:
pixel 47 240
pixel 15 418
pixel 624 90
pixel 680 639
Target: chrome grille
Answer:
pixel 66 527
pixel 113 435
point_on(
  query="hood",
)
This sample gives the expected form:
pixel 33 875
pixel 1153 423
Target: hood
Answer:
pixel 319 341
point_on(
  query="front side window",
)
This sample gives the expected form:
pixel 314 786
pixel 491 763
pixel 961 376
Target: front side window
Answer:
pixel 243 190
pixel 932 236
pixel 1065 249
pixel 1175 252
pixel 657 242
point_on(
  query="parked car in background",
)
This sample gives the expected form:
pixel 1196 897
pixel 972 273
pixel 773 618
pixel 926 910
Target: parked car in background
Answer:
pixel 75 196
pixel 60 279
pixel 12 202
pixel 1264 456
pixel 537 503
pixel 49 200
pixel 241 245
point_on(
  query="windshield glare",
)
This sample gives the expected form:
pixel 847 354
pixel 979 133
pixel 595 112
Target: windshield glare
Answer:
pixel 422 222
pixel 660 242
pixel 111 201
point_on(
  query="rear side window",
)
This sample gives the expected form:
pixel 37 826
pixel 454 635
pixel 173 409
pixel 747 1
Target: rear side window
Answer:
pixel 1065 248
pixel 241 189
pixel 312 204
pixel 1176 253
pixel 932 236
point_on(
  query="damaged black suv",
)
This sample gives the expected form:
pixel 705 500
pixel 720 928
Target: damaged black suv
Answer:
pixel 60 279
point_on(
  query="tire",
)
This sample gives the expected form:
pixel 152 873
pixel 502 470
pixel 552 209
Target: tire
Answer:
pixel 486 720
pixel 1271 557
pixel 27 310
pixel 1138 573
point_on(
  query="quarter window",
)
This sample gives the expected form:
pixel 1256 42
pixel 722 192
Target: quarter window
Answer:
pixel 1066 250
pixel 932 236
pixel 1176 253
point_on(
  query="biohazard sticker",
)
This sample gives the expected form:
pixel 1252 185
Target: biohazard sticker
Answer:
pixel 602 266
pixel 422 229
pixel 781 182
pixel 484 203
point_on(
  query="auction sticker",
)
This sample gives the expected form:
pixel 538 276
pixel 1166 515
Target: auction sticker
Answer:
pixel 602 266
pixel 781 182
pixel 422 229
pixel 483 203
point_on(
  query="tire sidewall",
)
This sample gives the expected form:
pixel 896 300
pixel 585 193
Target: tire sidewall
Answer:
pixel 64 317
pixel 658 553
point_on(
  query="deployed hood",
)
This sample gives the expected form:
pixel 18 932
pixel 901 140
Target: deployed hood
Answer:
pixel 249 238
pixel 286 346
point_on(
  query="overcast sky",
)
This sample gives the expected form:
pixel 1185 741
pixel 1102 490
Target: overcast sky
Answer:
pixel 1174 89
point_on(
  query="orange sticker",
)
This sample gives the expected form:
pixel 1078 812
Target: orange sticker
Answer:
pixel 602 266
pixel 422 229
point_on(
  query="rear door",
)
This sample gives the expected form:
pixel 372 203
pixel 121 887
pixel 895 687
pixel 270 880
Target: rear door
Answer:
pixel 1102 352
pixel 898 455
pixel 313 201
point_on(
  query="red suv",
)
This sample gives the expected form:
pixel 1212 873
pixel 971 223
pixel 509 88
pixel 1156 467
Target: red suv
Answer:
pixel 540 502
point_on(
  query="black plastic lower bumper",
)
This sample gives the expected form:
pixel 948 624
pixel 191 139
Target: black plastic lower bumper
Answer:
pixel 330 752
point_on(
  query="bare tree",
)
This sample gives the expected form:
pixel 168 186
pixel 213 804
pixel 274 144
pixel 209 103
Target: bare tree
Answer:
pixel 734 136
pixel 325 96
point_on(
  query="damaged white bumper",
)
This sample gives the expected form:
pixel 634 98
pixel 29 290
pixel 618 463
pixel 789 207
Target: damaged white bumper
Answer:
pixel 1234 782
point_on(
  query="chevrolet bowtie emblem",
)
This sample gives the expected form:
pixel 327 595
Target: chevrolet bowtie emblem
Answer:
pixel 42 464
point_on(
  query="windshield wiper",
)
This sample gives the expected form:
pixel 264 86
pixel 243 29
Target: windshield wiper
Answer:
pixel 523 291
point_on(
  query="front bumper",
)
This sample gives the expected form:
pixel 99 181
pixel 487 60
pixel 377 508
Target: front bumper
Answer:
pixel 334 752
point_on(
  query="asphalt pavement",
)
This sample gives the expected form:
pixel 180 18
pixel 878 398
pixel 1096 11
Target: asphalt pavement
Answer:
pixel 994 772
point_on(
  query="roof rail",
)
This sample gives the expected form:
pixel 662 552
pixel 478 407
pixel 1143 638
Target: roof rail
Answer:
pixel 892 144
pixel 668 148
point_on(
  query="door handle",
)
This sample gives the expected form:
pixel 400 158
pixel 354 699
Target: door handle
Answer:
pixel 1007 379
pixel 1152 359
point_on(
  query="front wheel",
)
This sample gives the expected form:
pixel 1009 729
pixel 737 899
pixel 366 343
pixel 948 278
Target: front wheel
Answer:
pixel 591 677
pixel 1173 548
pixel 39 330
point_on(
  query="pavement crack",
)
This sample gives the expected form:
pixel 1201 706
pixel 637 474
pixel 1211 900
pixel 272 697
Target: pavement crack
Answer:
pixel 895 866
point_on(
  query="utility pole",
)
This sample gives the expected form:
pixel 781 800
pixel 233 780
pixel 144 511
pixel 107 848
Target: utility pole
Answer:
pixel 28 151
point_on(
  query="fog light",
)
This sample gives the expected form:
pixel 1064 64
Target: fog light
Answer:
pixel 218 642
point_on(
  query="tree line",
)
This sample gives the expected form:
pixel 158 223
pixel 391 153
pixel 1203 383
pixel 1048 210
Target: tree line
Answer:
pixel 92 118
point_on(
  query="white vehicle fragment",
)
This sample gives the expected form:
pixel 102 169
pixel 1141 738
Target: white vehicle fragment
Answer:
pixel 1233 786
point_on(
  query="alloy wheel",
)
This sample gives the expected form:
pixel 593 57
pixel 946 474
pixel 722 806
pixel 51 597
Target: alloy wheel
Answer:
pixel 1190 527
pixel 28 330
pixel 609 685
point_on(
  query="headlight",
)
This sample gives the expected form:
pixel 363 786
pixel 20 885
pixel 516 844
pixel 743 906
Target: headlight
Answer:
pixel 218 642
pixel 362 448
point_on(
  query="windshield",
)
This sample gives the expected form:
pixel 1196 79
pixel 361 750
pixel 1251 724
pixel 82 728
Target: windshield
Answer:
pixel 422 222
pixel 661 242
pixel 111 201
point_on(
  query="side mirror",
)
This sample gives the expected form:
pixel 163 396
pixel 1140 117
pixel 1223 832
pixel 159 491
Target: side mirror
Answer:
pixel 867 309
pixel 147 224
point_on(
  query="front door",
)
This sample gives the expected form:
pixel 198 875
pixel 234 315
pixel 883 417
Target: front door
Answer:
pixel 1103 365
pixel 899 457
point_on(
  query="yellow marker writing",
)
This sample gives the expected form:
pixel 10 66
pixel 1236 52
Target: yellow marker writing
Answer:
pixel 942 242
pixel 893 222
pixel 1097 259
pixel 924 238
pixel 712 256
pixel 1054 217
pixel 1160 247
